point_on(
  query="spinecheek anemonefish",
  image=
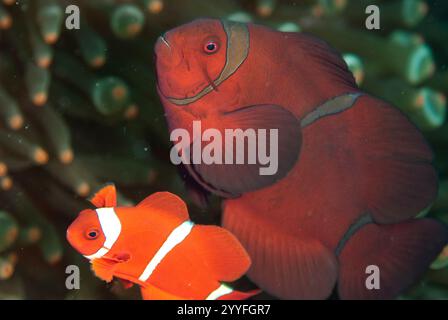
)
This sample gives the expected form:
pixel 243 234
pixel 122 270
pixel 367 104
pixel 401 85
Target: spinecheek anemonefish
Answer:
pixel 353 172
pixel 156 246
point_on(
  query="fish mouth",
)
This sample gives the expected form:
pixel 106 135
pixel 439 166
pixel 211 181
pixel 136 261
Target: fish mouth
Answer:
pixel 191 93
pixel 182 93
pixel 166 61
pixel 80 248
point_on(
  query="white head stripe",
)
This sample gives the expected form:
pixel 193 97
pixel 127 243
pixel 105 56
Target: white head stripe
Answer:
pixel 176 236
pixel 111 227
pixel 218 293
pixel 98 254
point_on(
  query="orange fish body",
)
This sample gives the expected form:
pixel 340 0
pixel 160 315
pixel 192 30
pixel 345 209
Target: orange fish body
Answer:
pixel 157 247
pixel 353 171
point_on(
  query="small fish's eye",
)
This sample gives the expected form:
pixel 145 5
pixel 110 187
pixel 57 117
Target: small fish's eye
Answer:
pixel 210 47
pixel 92 234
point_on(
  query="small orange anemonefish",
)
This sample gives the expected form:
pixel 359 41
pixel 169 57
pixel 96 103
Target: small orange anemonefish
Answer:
pixel 157 246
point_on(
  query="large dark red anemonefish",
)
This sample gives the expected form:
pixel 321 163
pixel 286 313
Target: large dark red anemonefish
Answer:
pixel 353 171
pixel 156 246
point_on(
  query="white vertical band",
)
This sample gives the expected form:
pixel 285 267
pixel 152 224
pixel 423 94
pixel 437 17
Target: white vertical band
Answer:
pixel 176 236
pixel 218 293
pixel 111 227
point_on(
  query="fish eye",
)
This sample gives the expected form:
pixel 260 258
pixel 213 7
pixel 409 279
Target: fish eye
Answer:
pixel 92 234
pixel 210 47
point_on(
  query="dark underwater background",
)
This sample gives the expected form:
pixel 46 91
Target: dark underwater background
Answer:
pixel 78 108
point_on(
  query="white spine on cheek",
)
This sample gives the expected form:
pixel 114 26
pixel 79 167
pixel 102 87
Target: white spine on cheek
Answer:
pixel 111 227
pixel 176 236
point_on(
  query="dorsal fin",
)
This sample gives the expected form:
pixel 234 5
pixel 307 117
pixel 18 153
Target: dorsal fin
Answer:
pixel 165 202
pixel 326 58
pixel 106 197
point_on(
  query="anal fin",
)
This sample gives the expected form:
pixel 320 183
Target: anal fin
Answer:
pixel 285 265
pixel 151 292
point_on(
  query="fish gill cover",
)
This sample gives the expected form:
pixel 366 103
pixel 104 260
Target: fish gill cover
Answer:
pixel 79 108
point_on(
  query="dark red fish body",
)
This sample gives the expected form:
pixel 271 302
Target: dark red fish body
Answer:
pixel 353 171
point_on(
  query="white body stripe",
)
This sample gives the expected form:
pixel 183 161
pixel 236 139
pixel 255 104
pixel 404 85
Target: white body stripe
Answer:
pixel 111 227
pixel 218 293
pixel 176 236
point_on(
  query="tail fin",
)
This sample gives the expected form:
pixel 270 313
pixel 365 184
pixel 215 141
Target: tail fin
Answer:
pixel 225 256
pixel 402 252
pixel 239 295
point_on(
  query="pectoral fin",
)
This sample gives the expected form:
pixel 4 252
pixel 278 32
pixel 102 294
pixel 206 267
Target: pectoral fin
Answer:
pixel 272 128
pixel 150 292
